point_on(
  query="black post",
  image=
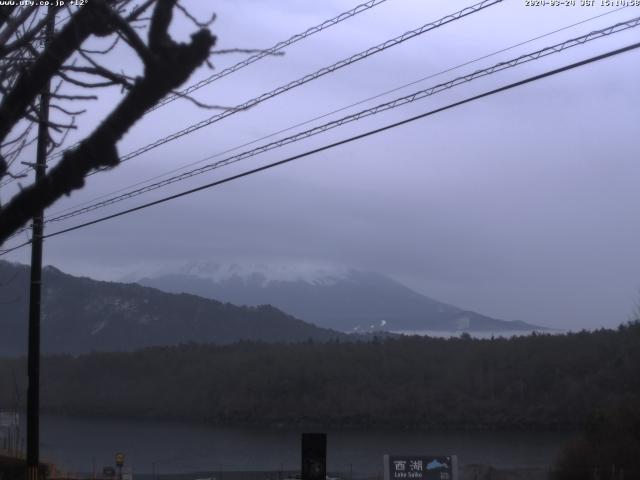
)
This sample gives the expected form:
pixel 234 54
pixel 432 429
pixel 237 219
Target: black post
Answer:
pixel 314 456
pixel 33 392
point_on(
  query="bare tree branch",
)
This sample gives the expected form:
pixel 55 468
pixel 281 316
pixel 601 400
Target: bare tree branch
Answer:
pixel 83 84
pixel 28 36
pixel 101 52
pixel 198 103
pixel 135 14
pixel 67 112
pixel 31 82
pixel 245 50
pixel 195 21
pixel 13 24
pixel 168 66
pixel 73 97
pixel 5 13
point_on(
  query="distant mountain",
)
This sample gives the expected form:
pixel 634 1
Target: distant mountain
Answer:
pixel 341 299
pixel 80 315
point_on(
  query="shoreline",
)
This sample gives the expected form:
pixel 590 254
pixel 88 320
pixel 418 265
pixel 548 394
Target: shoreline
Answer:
pixel 466 472
pixel 333 426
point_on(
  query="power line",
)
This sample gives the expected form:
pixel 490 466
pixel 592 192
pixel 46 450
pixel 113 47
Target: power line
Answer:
pixel 310 77
pixel 274 49
pixel 363 7
pixel 368 112
pixel 353 138
pixel 17 247
pixel 319 117
pixel 360 115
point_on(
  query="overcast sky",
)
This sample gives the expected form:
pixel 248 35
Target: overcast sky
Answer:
pixel 523 205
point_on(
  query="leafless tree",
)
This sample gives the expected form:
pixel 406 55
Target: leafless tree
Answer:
pixel 32 57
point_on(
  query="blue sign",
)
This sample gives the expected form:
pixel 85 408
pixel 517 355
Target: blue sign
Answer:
pixel 420 467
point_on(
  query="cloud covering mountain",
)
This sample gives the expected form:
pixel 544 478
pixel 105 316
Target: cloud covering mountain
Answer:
pixel 332 297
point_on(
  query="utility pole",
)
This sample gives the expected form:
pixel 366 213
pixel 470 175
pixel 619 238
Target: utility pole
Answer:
pixel 33 392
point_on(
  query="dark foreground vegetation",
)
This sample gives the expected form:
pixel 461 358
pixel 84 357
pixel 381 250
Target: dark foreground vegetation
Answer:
pixel 588 380
pixel 608 449
pixel 540 381
pixel 13 467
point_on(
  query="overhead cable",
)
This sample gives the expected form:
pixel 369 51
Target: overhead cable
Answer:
pixel 360 115
pixel 324 115
pixel 347 140
pixel 310 77
pixel 278 47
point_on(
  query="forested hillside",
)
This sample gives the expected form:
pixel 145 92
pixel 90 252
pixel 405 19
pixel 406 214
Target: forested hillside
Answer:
pixel 80 315
pixel 543 381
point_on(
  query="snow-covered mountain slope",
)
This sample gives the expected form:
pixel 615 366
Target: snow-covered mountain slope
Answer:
pixel 333 297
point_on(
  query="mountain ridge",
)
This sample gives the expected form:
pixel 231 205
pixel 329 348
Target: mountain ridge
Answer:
pixel 347 300
pixel 80 315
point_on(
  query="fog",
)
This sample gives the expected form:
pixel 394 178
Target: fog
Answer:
pixel 523 205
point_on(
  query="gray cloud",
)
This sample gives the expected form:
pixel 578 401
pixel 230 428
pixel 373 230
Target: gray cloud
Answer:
pixel 523 205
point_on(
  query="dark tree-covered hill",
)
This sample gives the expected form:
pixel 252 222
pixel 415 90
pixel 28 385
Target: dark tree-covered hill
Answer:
pixel 541 381
pixel 82 315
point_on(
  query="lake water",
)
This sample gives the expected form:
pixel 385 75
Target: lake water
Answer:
pixel 77 444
